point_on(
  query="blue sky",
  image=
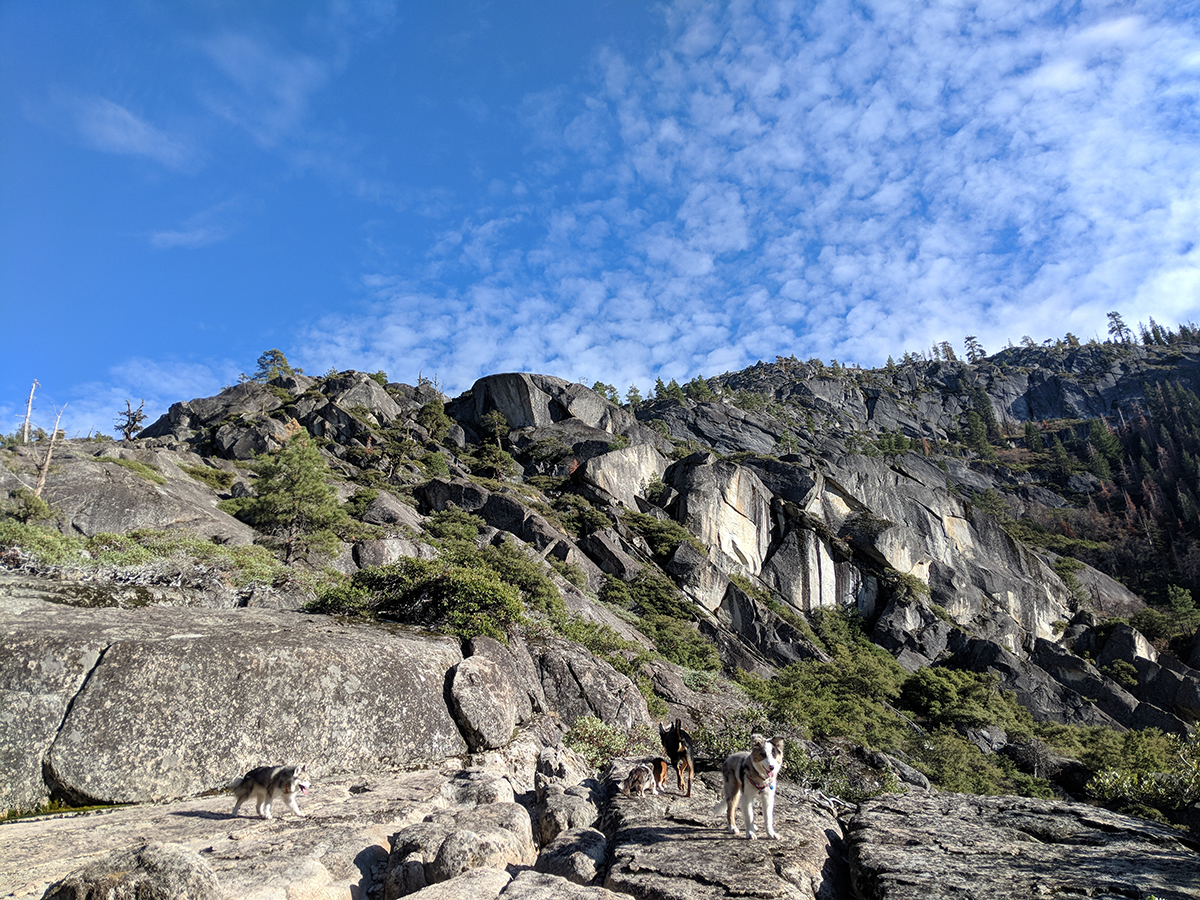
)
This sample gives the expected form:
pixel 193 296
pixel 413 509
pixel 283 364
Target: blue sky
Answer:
pixel 609 190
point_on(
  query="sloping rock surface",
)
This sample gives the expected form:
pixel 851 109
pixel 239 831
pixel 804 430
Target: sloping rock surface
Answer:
pixel 922 847
pixel 148 704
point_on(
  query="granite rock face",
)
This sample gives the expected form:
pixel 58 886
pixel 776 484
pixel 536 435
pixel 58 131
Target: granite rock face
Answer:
pixel 924 847
pixel 149 704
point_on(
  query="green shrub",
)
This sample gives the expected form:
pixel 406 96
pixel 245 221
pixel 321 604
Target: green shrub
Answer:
pixel 360 501
pixel 218 479
pixel 1169 781
pixel 599 743
pixel 448 598
pixel 662 536
pixel 23 506
pixel 454 524
pixel 435 464
pixel 579 516
pixel 680 643
pixel 145 470
pixel 963 699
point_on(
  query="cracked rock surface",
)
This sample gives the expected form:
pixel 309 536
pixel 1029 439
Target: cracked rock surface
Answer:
pixel 921 847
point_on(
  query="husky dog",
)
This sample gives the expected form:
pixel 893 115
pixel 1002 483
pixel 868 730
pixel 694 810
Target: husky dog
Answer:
pixel 678 744
pixel 749 775
pixel 640 780
pixel 266 784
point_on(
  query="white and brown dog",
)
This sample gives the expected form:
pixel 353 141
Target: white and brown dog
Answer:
pixel 748 776
pixel 640 779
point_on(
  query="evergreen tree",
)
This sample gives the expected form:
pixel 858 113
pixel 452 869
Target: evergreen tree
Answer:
pixel 977 436
pixel 974 348
pixel 432 417
pixel 675 392
pixel 293 500
pixel 496 424
pixel 1033 437
pixel 633 397
pixel 1060 459
pixel 697 389
pixel 660 389
pixel 271 365
pixel 1105 442
pixel 1118 329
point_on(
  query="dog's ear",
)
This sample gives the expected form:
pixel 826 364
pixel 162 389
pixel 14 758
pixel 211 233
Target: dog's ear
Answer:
pixel 678 725
pixel 778 742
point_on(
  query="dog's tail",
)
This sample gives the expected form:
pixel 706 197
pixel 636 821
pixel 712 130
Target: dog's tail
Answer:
pixel 720 806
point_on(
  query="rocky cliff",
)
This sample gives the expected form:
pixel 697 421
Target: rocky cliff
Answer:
pixel 137 669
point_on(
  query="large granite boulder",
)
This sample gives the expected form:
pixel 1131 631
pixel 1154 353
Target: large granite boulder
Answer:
pixel 95 490
pixel 924 847
pixel 153 871
pixel 624 474
pixel 578 684
pixel 148 704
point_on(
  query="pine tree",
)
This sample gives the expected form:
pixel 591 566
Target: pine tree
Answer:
pixel 633 397
pixel 675 392
pixel 660 389
pixel 293 500
pixel 1033 437
pixel 271 365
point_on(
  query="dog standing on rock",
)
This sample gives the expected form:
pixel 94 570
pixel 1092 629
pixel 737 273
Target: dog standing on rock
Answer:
pixel 678 744
pixel 266 784
pixel 749 775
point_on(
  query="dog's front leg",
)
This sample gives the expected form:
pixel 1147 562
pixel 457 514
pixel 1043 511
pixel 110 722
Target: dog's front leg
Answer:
pixel 769 811
pixel 296 809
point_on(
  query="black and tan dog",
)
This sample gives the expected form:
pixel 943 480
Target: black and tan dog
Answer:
pixel 678 744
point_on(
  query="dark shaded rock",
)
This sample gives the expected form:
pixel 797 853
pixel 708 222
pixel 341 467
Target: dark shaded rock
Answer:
pixel 701 582
pixel 611 553
pixel 924 847
pixel 1081 676
pixel 1044 697
pixel 577 684
pixel 151 872
pixel 576 855
pixel 560 810
pixel 1128 644
pixel 774 637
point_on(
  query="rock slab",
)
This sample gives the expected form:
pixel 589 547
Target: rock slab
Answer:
pixel 922 847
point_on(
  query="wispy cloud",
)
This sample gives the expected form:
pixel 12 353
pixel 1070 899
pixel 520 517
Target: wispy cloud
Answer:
pixel 209 226
pixel 836 180
pixel 267 90
pixel 110 127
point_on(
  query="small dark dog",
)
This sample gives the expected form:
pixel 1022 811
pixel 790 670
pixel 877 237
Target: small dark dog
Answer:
pixel 678 744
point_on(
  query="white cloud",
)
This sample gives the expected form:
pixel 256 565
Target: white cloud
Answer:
pixel 823 182
pixel 267 90
pixel 112 128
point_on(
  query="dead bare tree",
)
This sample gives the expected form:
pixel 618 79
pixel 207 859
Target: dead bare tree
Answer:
pixel 45 468
pixel 28 410
pixel 129 423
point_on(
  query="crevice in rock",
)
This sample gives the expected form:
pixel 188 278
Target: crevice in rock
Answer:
pixel 60 792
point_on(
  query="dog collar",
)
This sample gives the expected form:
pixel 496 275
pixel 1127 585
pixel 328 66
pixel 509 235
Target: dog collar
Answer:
pixel 768 783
